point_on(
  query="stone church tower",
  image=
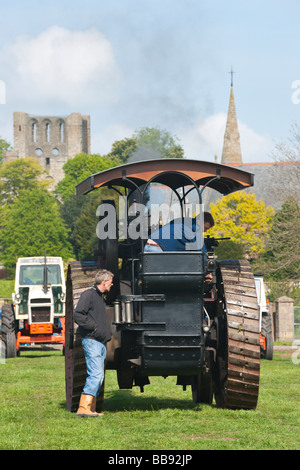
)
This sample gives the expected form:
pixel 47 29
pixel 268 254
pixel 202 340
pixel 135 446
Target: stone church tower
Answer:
pixel 51 140
pixel 232 154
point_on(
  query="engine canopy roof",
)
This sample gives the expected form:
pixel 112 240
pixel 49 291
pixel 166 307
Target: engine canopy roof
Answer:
pixel 174 173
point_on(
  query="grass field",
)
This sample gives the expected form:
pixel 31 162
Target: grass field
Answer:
pixel 33 413
pixel 7 287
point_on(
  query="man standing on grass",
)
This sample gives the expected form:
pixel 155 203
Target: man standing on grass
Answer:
pixel 90 316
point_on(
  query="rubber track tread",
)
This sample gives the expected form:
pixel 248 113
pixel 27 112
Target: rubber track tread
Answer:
pixel 243 361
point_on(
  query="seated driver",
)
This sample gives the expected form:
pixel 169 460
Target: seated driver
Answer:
pixel 175 236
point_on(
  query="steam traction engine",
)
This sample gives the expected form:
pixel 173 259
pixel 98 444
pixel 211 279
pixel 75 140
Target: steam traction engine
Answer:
pixel 172 313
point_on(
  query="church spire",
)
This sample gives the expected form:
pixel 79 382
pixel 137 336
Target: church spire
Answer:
pixel 232 154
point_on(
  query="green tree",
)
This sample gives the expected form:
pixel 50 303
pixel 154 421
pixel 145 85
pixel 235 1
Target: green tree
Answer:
pixel 33 224
pixel 74 207
pixel 281 260
pixel 123 150
pixel 244 219
pixel 85 239
pixel 4 145
pixel 18 175
pixel 79 215
pixel 228 249
pixel 78 169
pixel 158 141
pixel 147 143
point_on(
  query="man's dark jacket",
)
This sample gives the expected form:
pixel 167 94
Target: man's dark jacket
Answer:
pixel 90 316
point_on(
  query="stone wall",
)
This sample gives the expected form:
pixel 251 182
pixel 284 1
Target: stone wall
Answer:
pixel 283 319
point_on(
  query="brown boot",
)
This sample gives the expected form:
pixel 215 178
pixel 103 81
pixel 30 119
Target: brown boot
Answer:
pixel 85 405
pixel 93 407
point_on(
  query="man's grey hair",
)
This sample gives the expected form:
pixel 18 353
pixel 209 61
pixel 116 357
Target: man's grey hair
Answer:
pixel 103 275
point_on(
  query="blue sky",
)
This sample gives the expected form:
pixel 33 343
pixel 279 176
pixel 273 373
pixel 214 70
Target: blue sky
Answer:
pixel 136 63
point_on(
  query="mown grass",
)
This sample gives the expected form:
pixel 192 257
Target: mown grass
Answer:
pixel 7 287
pixel 33 413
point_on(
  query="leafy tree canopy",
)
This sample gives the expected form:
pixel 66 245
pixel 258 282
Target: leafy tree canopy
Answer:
pixel 33 224
pixel 228 249
pixel 4 145
pixel 84 235
pixel 20 174
pixel 78 168
pixel 159 141
pixel 281 260
pixel 244 219
pixel 123 150
pixel 79 215
pixel 147 143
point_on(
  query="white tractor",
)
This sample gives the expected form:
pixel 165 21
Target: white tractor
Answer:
pixel 37 312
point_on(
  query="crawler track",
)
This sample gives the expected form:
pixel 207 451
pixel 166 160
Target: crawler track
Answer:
pixel 80 277
pixel 238 364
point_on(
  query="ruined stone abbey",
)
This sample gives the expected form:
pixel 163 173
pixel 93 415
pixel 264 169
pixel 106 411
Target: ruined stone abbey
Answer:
pixel 51 140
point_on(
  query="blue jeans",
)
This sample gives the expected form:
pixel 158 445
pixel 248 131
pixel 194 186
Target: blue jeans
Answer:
pixel 95 354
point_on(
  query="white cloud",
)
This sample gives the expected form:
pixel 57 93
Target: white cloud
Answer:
pixel 255 148
pixel 61 71
pixel 101 142
pixel 205 139
pixel 68 67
